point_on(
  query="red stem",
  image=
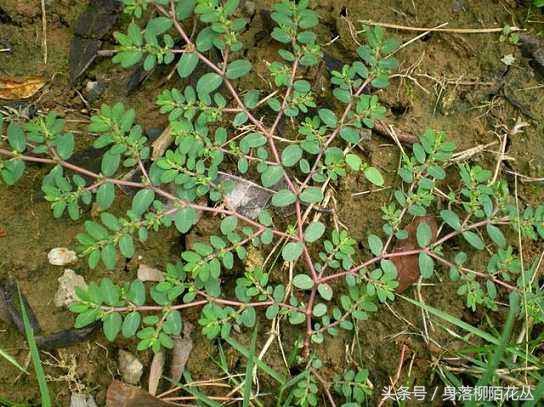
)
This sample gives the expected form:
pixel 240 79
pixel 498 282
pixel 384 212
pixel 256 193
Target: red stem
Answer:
pixel 140 185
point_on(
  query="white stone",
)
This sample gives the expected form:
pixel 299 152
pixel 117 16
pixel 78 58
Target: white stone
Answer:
pixel 130 367
pixel 82 400
pixel 61 256
pixel 66 293
pixel 147 273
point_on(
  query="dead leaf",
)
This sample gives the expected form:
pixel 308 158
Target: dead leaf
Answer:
pixel 408 266
pixel 124 395
pixel 404 137
pixel 155 372
pixel 3 232
pixel 247 198
pixel 160 145
pixel 20 88
pixel 180 353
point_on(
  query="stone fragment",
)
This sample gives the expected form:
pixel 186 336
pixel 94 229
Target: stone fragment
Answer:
pixel 130 367
pixel 61 256
pixel 66 293
pixel 147 273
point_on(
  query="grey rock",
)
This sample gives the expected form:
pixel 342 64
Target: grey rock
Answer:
pixel 66 293
pixel 130 367
pixel 82 400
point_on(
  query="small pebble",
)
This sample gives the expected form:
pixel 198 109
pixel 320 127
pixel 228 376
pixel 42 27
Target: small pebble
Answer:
pixel 66 294
pixel 130 367
pixel 146 273
pixel 82 400
pixel 94 89
pixel 61 256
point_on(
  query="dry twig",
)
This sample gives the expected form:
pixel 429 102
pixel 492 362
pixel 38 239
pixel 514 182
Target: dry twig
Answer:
pixel 445 30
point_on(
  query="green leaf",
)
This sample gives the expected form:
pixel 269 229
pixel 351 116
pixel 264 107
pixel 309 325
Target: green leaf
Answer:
pixel 240 119
pixel 126 245
pixel 328 117
pixel 65 145
pixel 136 292
pixel 248 317
pixel 342 95
pixel 424 234
pixel 291 155
pixel 142 201
pixel 271 176
pixel 248 382
pixel 319 310
pixel 272 311
pixel 314 231
pixel 251 98
pixel 311 195
pixel 35 354
pixel 247 352
pixel 252 140
pixel 451 219
pixel 173 323
pixel 296 317
pixel 105 195
pixel 185 219
pixel 184 9
pixel 419 153
pixel 97 231
pixel 86 318
pixel 373 175
pixel 283 198
pixel 292 251
pixel 109 292
pixel 16 137
pixel 514 350
pixel 228 225
pixel 13 170
pixel 303 281
pixel 350 134
pixel 205 39
pixel 474 240
pixel 237 69
pixel 230 7
pixel 110 163
pixel 280 35
pixel 325 291
pixel 131 324
pixel 128 58
pixel 375 244
pixel 208 83
pixel 274 104
pixel 159 25
pixel 187 64
pixel 496 235
pixel 135 34
pixel 112 325
pixel 109 256
pixel 354 161
pixel 12 360
pixel 426 265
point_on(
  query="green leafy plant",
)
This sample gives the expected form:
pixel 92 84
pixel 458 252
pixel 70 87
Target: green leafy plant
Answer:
pixel 35 356
pixel 214 126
